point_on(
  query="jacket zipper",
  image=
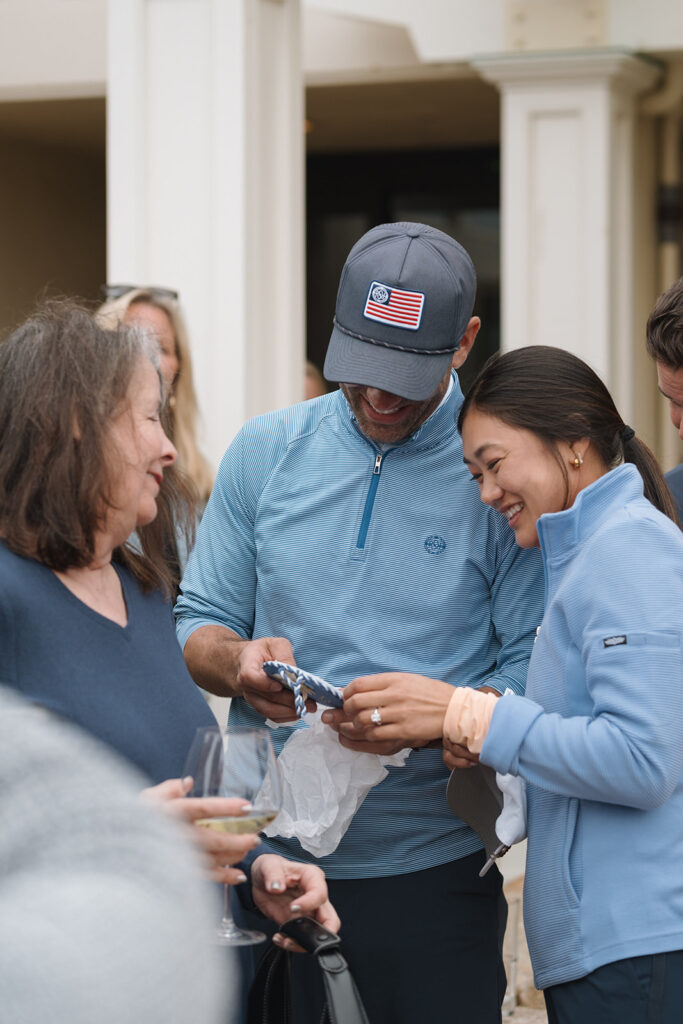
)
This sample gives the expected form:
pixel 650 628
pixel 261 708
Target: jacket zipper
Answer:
pixel 370 501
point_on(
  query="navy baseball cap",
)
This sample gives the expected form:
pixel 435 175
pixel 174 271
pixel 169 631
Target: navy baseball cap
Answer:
pixel 405 299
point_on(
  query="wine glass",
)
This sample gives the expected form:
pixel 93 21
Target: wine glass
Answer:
pixel 241 763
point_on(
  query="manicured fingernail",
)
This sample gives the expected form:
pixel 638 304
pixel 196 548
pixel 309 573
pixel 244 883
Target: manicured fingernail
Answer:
pixel 256 841
pixel 276 886
pixel 295 908
pixel 187 782
pixel 241 878
pixel 277 939
pixel 245 808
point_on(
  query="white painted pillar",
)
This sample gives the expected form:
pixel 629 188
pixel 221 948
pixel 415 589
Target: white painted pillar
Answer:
pixel 567 205
pixel 205 162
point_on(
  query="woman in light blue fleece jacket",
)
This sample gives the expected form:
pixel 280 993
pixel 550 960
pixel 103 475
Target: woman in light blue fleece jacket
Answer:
pixel 599 735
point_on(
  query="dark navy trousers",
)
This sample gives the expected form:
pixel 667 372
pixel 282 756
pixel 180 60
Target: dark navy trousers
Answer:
pixel 640 990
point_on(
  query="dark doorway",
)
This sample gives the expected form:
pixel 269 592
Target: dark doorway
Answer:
pixel 52 202
pixel 455 190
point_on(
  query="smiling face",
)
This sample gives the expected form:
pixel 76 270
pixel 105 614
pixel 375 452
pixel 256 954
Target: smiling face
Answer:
pixel 388 418
pixel 670 383
pixel 141 451
pixel 517 473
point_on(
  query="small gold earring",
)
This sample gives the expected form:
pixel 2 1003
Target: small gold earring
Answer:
pixel 577 461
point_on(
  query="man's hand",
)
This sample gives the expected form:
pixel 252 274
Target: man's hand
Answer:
pixel 283 889
pixel 457 756
pixel 223 663
pixel 266 695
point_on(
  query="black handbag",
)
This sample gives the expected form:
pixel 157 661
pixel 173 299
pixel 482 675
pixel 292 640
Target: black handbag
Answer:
pixel 269 1000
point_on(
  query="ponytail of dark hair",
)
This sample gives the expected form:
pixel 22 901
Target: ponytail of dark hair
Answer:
pixel 558 397
pixel 655 486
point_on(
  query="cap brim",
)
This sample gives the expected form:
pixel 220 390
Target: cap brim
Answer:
pixel 475 797
pixel 412 376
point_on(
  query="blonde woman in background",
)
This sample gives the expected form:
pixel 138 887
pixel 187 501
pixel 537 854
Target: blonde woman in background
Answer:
pixel 158 311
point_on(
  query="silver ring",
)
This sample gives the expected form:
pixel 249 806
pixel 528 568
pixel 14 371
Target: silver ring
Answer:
pixel 376 717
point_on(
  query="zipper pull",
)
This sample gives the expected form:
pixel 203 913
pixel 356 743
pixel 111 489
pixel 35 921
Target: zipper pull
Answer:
pixel 378 464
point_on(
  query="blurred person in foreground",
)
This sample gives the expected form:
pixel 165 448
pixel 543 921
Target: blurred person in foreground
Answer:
pixel 86 625
pixel 664 341
pixel 104 915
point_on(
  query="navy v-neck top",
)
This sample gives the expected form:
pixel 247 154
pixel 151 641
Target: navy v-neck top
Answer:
pixel 128 686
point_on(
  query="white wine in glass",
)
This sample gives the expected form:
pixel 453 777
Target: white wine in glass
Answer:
pixel 236 763
pixel 238 826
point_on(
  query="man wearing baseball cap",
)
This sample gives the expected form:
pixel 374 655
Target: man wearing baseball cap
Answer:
pixel 345 534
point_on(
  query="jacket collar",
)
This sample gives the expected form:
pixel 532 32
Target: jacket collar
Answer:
pixel 560 533
pixel 439 427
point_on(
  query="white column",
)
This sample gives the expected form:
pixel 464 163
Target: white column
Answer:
pixel 206 188
pixel 567 205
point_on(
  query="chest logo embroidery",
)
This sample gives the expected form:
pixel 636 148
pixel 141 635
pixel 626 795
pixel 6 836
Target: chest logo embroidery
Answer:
pixel 614 641
pixel 434 544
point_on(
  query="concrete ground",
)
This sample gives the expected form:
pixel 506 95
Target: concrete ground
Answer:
pixel 523 1003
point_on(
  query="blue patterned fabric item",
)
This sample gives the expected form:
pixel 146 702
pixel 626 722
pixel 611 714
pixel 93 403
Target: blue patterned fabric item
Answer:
pixel 297 679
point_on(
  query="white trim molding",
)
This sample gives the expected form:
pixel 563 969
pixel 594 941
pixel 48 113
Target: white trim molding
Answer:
pixel 567 205
pixel 205 151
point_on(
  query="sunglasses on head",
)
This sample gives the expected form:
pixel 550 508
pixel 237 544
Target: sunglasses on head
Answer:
pixel 115 291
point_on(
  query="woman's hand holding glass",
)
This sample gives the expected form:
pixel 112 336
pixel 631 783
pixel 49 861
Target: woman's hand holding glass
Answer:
pixel 220 848
pixel 239 765
pixel 281 889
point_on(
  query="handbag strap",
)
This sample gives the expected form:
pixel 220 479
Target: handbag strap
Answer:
pixel 269 996
pixel 269 993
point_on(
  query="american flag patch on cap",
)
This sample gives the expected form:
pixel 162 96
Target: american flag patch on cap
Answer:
pixel 394 306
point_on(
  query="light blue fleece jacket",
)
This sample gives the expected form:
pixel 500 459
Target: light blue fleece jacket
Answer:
pixel 599 736
pixel 367 564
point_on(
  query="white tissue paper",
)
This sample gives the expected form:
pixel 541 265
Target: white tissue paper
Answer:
pixel 324 784
pixel 511 822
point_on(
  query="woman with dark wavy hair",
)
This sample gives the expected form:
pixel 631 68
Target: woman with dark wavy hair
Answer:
pixel 598 737
pixel 86 625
